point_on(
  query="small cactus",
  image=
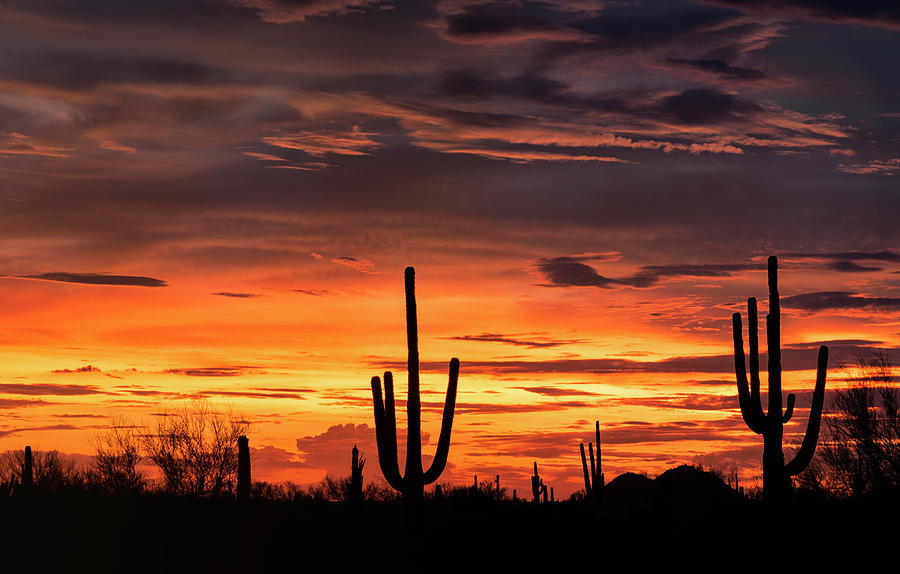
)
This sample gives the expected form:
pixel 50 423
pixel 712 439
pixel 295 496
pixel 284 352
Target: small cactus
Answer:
pixel 356 477
pixel 243 482
pixel 497 482
pixel 593 480
pixel 537 486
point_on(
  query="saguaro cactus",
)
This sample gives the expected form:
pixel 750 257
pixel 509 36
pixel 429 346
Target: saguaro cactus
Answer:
pixel 356 477
pixel 243 483
pixel 537 486
pixel 593 480
pixel 497 482
pixel 411 486
pixel 776 474
pixel 27 473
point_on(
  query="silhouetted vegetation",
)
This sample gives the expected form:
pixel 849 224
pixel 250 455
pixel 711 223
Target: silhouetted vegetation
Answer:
pixel 776 474
pixel 538 487
pixel 593 480
pixel 413 483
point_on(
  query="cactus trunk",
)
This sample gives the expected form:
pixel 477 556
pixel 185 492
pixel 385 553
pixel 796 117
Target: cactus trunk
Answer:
pixel 776 474
pixel 27 473
pixel 243 483
pixel 412 484
pixel 356 478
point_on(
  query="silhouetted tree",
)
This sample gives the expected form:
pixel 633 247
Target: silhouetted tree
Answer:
pixel 411 485
pixel 776 474
pixel 117 452
pixel 195 448
pixel 861 448
pixel 47 472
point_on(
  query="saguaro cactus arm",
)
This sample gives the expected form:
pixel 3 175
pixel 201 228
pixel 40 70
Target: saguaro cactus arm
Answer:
pixel 443 447
pixel 584 467
pixel 748 393
pixel 808 447
pixel 386 431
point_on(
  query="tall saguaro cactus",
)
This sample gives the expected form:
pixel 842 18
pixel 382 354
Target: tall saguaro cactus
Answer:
pixel 243 483
pixel 412 484
pixel 776 474
pixel 593 480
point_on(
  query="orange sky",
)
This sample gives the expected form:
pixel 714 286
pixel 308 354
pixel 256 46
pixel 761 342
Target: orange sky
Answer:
pixel 533 376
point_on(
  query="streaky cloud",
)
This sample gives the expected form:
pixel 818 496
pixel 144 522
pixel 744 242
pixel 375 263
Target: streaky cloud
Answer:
pixel 97 279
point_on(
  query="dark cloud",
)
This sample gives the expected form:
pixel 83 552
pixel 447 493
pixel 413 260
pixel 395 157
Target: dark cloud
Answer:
pixel 236 295
pixel 250 394
pixel 18 403
pixel 845 261
pixel 797 357
pixel 705 106
pixel 85 369
pixel 81 71
pixel 50 389
pixel 821 300
pixel 557 391
pixel 570 272
pixel 472 84
pixel 884 255
pixel 851 267
pixel 98 279
pixel 313 292
pixel 502 21
pixel 229 371
pixel 12 432
pixel 720 69
pixel 331 449
pixel 537 343
pixel 883 13
pixel 688 401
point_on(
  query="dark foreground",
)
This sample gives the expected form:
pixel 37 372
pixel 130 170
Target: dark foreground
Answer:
pixel 159 534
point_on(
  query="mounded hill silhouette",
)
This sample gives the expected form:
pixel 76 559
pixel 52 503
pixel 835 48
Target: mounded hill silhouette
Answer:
pixel 629 490
pixel 682 485
pixel 693 486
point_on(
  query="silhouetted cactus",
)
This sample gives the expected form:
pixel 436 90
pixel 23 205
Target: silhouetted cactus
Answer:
pixel 243 482
pixel 593 480
pixel 537 486
pixel 515 496
pixel 551 495
pixel 356 478
pixel 776 474
pixel 27 473
pixel 411 486
pixel 497 482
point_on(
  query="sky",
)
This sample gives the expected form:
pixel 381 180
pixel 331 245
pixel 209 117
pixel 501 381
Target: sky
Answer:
pixel 217 199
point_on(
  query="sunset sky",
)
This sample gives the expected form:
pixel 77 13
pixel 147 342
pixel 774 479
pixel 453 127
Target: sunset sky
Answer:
pixel 217 198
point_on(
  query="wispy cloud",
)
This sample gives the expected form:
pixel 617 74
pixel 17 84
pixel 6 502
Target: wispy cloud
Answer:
pixel 97 279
